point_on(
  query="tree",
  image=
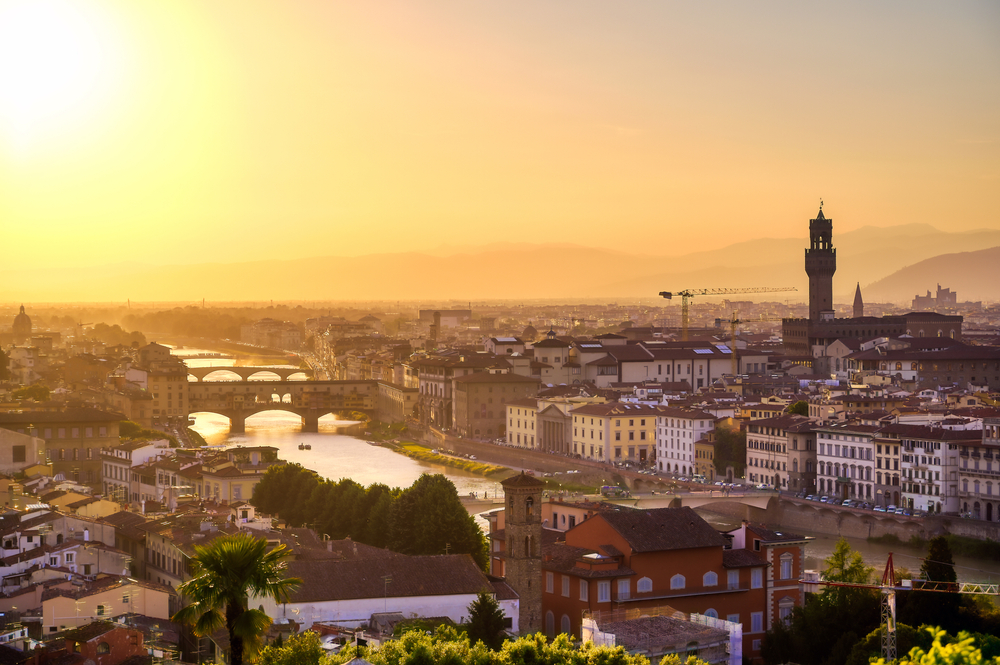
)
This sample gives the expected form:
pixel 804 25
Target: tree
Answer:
pixel 486 621
pixel 944 652
pixel 4 369
pixel 939 566
pixel 38 392
pixel 799 408
pixel 301 649
pixel 227 572
pixel 935 608
pixel 429 518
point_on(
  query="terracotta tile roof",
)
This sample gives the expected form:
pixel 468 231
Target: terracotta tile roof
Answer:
pixel 662 529
pixel 364 578
pixel 522 480
pixel 742 559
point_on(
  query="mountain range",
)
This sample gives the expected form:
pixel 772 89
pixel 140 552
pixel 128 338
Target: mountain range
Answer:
pixel 892 264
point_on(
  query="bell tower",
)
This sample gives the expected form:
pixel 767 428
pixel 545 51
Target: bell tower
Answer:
pixel 523 549
pixel 821 263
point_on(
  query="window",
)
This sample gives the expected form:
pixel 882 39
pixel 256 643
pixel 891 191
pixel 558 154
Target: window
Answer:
pixel 709 579
pixel 103 647
pixel 756 622
pixel 549 582
pixel 584 590
pixel 733 579
pixel 604 591
pixel 756 578
pixel 756 645
pixel 101 610
pixel 69 555
pixel 711 613
pixel 623 589
pixel 677 582
pixel 785 606
pixel 565 624
pixel 644 585
pixel 786 566
pixel 565 585
pixel 733 618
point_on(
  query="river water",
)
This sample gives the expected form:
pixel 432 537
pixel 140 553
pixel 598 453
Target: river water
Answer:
pixel 337 456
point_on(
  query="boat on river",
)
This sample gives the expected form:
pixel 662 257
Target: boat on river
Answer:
pixel 305 446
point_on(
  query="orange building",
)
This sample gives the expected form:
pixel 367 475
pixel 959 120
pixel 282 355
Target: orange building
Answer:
pixel 628 559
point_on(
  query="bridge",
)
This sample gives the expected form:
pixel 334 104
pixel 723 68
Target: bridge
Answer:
pixel 245 373
pixel 311 400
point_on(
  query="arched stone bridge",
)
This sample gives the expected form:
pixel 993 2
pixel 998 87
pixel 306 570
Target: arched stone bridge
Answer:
pixel 237 400
pixel 246 372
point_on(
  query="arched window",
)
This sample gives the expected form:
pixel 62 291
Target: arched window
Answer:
pixel 709 579
pixel 550 624
pixel 785 606
pixel 786 566
pixel 644 585
pixel 529 507
pixel 565 623
pixel 103 647
pixel 677 581
pixel 711 613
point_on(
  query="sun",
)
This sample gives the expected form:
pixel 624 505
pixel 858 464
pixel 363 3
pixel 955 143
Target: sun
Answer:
pixel 58 64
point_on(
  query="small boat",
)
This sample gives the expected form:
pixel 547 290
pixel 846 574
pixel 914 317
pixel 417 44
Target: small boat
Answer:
pixel 305 446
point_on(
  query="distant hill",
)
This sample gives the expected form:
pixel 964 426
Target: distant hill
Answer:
pixel 973 275
pixel 524 270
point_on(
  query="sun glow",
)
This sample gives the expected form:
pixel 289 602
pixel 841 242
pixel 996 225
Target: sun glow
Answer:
pixel 58 66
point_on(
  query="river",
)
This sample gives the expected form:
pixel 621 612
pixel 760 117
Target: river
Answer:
pixel 333 455
pixel 338 456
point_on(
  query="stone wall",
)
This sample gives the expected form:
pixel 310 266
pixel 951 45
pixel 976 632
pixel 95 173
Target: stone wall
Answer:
pixel 815 517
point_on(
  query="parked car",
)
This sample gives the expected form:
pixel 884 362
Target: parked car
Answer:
pixel 879 509
pixel 811 497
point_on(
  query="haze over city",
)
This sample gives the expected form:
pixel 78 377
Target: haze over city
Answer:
pixel 187 133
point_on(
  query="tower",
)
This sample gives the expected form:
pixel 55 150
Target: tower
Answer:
pixel 821 263
pixel 859 304
pixel 523 530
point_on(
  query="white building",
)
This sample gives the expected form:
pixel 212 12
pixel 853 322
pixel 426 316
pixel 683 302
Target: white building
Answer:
pixel 677 430
pixel 846 461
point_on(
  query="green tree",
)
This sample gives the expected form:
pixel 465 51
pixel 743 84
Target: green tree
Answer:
pixel 730 450
pixel 486 621
pixel 935 608
pixel 302 649
pixel 800 408
pixel 38 392
pixel 429 518
pixel 227 572
pixel 939 566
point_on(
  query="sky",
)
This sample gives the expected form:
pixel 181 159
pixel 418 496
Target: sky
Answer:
pixel 225 131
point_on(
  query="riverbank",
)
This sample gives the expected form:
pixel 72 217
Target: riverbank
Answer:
pixel 422 453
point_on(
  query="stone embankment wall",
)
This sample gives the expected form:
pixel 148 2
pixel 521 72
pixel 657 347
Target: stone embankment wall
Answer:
pixel 813 517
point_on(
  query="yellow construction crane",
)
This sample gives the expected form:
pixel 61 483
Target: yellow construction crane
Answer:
pixel 733 322
pixel 687 294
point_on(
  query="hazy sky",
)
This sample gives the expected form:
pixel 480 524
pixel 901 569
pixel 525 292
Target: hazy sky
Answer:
pixel 175 132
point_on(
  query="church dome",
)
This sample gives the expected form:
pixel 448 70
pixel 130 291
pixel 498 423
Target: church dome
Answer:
pixel 22 327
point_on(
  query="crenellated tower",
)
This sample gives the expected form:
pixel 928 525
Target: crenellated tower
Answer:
pixel 821 263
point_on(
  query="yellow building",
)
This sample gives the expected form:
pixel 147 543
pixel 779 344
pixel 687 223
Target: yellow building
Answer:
pixel 704 459
pixel 615 432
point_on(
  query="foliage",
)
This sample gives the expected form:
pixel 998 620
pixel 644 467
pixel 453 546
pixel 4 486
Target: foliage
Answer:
pixel 446 647
pixel 486 621
pixel 302 649
pixel 946 652
pixel 114 335
pixel 934 608
pixel 38 392
pixel 196 439
pixel 730 450
pixel 426 518
pixel 939 565
pixel 227 572
pixel 870 647
pixel 4 366
pixel 824 631
pixel 799 408
pixel 424 454
pixel 133 431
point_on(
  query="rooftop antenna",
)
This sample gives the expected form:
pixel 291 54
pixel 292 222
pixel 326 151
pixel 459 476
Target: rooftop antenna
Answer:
pixel 821 203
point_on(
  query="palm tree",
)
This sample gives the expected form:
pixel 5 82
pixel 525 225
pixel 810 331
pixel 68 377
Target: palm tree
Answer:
pixel 227 572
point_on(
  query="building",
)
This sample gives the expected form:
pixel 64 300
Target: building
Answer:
pixel 273 334
pixel 943 298
pixel 616 432
pixel 677 432
pixel 781 452
pixel 785 555
pixel 22 327
pixel 846 462
pixel 811 336
pixel 73 438
pixel 521 542
pixel 479 402
pixel 20 451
